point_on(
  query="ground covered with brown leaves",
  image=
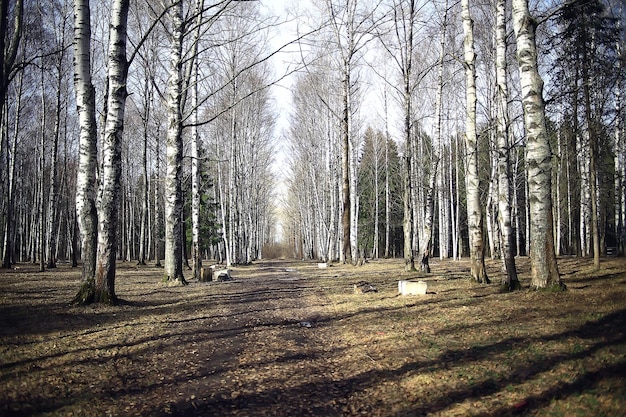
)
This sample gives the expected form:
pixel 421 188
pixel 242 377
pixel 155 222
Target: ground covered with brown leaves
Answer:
pixel 289 339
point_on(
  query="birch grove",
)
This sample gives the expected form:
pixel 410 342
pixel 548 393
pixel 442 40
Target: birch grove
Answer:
pixel 337 131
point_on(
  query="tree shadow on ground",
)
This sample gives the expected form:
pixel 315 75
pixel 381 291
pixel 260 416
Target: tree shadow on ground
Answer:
pixel 327 396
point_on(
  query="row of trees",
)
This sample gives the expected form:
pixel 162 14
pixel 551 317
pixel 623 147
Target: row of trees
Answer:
pixel 412 133
pixel 152 141
pixel 490 168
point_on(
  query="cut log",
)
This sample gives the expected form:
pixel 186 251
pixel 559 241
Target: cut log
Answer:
pixel 222 275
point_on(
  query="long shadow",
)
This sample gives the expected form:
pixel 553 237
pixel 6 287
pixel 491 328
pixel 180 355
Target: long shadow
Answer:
pixel 322 398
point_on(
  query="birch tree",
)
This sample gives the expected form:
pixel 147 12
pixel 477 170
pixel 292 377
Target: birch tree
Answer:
pixel 10 37
pixel 86 176
pixel 174 151
pixel 109 198
pixel 474 208
pixel 429 210
pixel 53 195
pixel 510 281
pixel 544 269
pixel 404 24
pixel 351 24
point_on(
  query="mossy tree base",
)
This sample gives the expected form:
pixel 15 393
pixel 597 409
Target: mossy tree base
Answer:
pixel 552 288
pixel 179 281
pixel 88 294
pixel 511 286
pixel 480 279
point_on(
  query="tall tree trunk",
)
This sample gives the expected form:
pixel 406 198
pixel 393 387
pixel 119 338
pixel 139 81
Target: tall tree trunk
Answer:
pixel 10 153
pixel 174 154
pixel 51 241
pixel 196 256
pixel 158 219
pixel 510 281
pixel 544 269
pixel 87 163
pixel 620 154
pixel 345 166
pixel 474 207
pixel 143 227
pixel 407 74
pixel 593 161
pixel 387 185
pixel 109 200
pixel 8 53
pixel 427 231
pixel 42 150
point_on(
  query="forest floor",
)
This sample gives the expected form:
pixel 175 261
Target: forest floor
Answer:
pixel 288 339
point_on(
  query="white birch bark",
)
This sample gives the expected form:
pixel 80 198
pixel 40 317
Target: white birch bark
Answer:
pixel 9 43
pixel 406 35
pixel 510 281
pixel 544 269
pixel 42 150
pixel 87 161
pixel 427 232
pixel 196 256
pixel 52 221
pixel 474 208
pixel 144 244
pixel 387 185
pixel 620 154
pixel 10 164
pixel 174 153
pixel 158 218
pixel 109 199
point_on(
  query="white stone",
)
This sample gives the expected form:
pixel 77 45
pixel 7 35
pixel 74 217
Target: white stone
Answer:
pixel 322 265
pixel 412 287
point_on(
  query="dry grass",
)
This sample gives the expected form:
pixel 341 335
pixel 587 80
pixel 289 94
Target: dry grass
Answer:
pixel 245 347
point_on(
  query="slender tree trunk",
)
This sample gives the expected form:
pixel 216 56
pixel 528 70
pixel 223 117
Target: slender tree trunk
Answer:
pixel 619 158
pixel 10 154
pixel 196 256
pixel 51 241
pixel 345 166
pixel 42 206
pixel 109 200
pixel 510 281
pixel 174 154
pixel 407 73
pixel 143 227
pixel 544 269
pixel 474 207
pixel 157 206
pixel 9 44
pixel 86 178
pixel 593 162
pixel 427 232
pixel 375 252
pixel 387 187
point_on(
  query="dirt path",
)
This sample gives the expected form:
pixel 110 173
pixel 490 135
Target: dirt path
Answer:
pixel 289 339
pixel 246 347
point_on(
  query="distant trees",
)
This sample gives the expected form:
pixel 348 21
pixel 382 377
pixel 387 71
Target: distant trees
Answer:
pixel 193 175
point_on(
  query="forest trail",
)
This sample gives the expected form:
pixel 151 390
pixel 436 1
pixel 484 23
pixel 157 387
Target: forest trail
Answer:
pixel 241 347
pixel 284 338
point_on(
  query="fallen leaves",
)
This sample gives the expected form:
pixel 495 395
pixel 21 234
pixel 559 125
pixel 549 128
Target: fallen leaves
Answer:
pixel 291 339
